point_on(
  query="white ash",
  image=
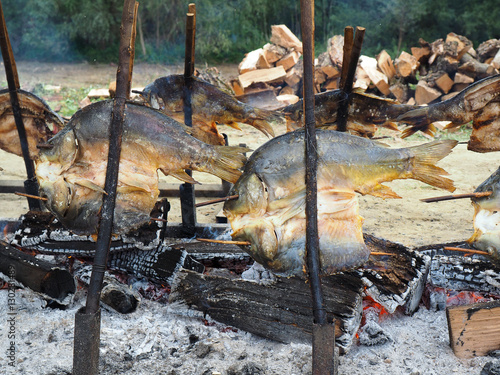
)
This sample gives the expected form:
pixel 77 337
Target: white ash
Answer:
pixel 172 339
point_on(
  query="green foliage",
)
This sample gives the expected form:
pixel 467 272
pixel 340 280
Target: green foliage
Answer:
pixel 74 30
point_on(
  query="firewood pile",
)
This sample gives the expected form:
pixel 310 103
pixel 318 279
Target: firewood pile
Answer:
pixel 432 72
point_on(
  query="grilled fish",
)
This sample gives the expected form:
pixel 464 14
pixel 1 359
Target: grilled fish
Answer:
pixel 269 212
pixel 71 175
pixel 486 235
pixel 210 106
pixel 40 122
pixel 478 103
pixel 366 112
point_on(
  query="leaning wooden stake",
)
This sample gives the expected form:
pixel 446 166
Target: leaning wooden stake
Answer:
pixel 323 333
pixel 30 185
pixel 88 320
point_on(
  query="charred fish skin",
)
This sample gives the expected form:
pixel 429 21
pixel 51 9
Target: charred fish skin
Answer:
pixel 71 175
pixel 366 112
pixel 459 110
pixel 210 106
pixel 269 212
pixel 486 220
pixel 40 122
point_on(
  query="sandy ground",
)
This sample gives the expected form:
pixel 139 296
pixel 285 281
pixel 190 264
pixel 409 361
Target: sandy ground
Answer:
pixel 155 339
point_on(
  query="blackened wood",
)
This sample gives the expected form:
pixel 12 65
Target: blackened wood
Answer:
pixel 346 58
pixel 87 334
pixel 42 277
pixel 123 77
pixel 30 185
pixel 280 310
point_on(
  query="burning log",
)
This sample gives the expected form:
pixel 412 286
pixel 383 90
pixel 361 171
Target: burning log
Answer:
pixel 54 283
pixel 280 309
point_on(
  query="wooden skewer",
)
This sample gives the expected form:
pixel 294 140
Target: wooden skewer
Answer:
pixel 466 250
pixel 158 219
pixel 217 200
pixel 31 196
pixel 224 241
pixel 457 196
pixel 380 253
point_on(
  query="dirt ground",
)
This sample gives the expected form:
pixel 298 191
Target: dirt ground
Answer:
pixel 408 220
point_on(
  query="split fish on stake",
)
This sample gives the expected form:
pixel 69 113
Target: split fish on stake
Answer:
pixel 270 210
pixel 210 106
pixel 71 175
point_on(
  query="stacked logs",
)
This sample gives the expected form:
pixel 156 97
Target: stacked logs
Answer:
pixel 432 72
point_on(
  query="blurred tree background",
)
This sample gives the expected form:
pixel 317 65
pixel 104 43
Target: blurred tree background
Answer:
pixel 84 30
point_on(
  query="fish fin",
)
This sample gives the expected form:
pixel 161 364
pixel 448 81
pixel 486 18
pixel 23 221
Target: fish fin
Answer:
pixel 228 162
pixel 264 120
pixel 424 168
pixel 417 116
pixel 233 124
pixel 428 129
pixel 183 176
pixel 391 126
pixel 89 185
pixel 380 191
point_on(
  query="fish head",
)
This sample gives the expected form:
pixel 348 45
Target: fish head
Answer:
pixel 252 196
pixel 51 166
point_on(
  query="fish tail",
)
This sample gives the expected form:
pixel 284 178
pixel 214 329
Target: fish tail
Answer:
pixel 425 157
pixel 417 119
pixel 229 161
pixel 264 121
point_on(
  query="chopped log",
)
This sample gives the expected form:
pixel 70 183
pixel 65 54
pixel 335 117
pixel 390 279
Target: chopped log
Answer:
pixel 331 84
pixel 400 92
pixel 293 77
pixel 253 60
pixel 287 99
pixel 379 79
pixel 474 68
pixel 422 53
pixel 488 49
pixel 463 45
pixel 112 89
pixel 287 90
pixel 330 71
pixel 474 329
pixel 98 93
pixel 282 36
pixel 362 79
pixel 406 65
pixel 289 60
pixel 336 50
pixel 463 78
pixel 271 75
pixel 445 83
pixel 319 76
pixel 54 283
pixel 385 64
pixel 273 52
pixel 425 94
pixel 496 61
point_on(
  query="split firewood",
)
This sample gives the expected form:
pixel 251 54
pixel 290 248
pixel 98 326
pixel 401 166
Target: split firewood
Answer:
pixel 331 84
pixel 362 79
pixel 400 92
pixel 461 81
pixel 444 82
pixel 273 52
pixel 425 94
pixel 488 49
pixel 282 36
pixel 406 65
pixel 463 45
pixel 379 79
pixel 253 60
pixel 336 49
pixel 385 64
pixel 496 61
pixel 272 75
pixel 289 60
pixel 423 52
pixel 474 329
pixel 330 71
pixel 236 86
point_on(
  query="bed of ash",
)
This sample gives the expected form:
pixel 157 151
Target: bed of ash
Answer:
pixel 160 338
